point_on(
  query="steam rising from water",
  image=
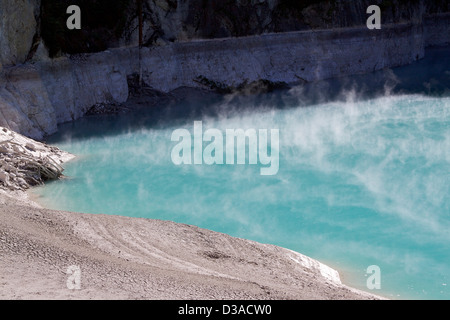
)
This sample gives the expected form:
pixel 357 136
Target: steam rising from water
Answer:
pixel 361 181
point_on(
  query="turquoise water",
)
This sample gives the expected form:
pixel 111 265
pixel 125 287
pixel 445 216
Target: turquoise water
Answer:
pixel 363 177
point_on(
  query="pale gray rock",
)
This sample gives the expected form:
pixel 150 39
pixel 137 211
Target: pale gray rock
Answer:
pixel 17 29
pixel 25 163
pixel 44 92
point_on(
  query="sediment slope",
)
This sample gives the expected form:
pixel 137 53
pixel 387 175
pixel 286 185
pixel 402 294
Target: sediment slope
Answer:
pixel 130 258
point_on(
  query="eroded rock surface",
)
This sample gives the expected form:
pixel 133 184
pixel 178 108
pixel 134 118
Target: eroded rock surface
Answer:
pixel 25 162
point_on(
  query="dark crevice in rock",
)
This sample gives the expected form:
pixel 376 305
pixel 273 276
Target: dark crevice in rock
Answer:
pixel 253 87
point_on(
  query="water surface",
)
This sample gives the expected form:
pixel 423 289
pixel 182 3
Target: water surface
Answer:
pixel 363 180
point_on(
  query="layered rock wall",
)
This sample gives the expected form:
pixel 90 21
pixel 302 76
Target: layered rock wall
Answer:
pixel 437 29
pixel 37 95
pixel 289 57
pixel 34 98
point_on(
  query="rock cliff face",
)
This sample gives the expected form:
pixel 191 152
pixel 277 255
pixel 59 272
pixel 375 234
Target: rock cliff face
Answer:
pixel 37 95
pixel 34 98
pixel 18 26
pixel 292 57
pixel 437 29
pixel 172 20
pixel 26 24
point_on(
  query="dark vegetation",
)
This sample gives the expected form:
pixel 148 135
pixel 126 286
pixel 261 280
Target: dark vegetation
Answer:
pixel 109 23
pixel 102 21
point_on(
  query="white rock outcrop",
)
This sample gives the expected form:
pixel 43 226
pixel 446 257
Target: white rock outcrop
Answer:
pixel 25 162
pixel 34 98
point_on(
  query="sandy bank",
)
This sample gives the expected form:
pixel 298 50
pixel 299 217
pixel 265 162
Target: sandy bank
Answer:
pixel 132 258
pixel 129 258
